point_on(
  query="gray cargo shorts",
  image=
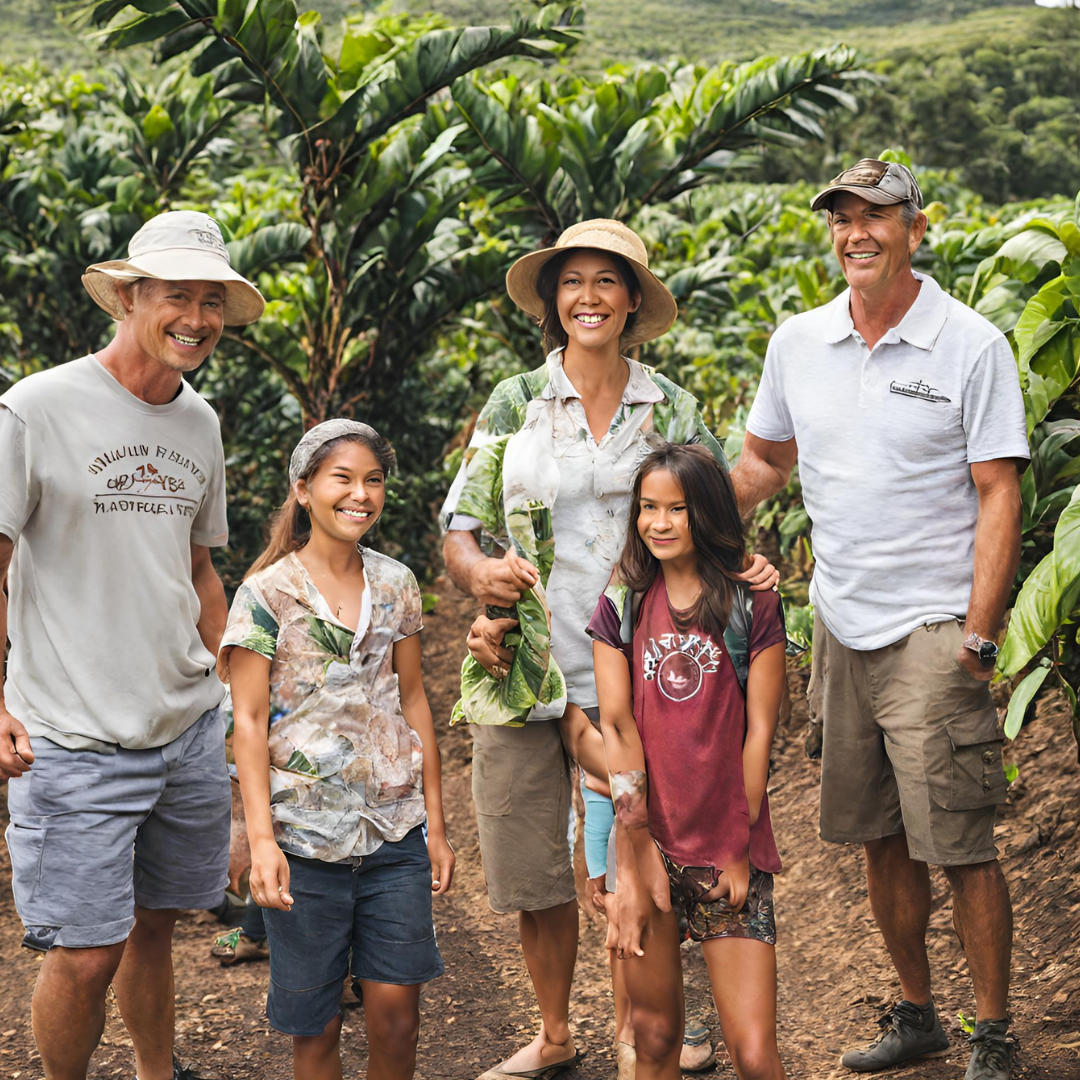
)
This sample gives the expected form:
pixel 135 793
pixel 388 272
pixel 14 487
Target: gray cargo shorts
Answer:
pixel 94 834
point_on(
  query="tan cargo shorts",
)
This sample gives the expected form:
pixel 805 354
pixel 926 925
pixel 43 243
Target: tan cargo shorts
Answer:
pixel 910 744
pixel 521 788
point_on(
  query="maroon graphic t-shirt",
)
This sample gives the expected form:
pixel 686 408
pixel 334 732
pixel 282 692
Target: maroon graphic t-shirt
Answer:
pixel 691 715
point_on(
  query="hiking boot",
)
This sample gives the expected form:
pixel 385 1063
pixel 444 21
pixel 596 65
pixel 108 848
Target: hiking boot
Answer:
pixel 992 1053
pixel 911 1031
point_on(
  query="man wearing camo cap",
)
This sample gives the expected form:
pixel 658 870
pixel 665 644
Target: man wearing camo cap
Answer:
pixel 903 409
pixel 111 497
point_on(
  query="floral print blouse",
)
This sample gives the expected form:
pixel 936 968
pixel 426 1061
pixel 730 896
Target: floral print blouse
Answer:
pixel 345 767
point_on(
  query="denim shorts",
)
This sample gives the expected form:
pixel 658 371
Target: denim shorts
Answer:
pixel 94 834
pixel 377 907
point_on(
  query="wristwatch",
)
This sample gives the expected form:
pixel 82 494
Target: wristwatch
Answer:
pixel 985 649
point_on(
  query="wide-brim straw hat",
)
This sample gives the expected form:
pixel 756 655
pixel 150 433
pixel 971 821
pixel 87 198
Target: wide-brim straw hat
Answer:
pixel 657 311
pixel 179 245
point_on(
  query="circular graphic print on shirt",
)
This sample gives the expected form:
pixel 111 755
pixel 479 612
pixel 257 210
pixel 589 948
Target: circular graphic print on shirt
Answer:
pixel 679 676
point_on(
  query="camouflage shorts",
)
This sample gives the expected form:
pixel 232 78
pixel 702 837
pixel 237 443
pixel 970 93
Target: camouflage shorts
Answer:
pixel 701 920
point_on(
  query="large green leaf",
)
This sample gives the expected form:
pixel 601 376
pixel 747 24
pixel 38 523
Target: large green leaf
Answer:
pixel 1022 257
pixel 268 246
pixel 1021 698
pixel 1048 597
pixel 401 86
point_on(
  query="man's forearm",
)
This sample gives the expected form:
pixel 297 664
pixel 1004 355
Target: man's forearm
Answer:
pixel 214 611
pixel 997 556
pixel 461 553
pixel 757 477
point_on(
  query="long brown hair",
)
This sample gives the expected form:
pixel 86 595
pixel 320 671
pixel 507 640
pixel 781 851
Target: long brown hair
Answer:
pixel 289 528
pixel 715 530
pixel 547 288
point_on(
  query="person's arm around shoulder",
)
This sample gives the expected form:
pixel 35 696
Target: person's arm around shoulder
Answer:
pixel 769 451
pixel 417 713
pixel 763 469
pixel 997 555
pixel 249 676
pixel 213 609
pixel 16 756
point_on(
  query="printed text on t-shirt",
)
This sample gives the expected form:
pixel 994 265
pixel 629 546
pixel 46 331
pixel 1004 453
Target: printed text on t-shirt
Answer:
pixel 153 481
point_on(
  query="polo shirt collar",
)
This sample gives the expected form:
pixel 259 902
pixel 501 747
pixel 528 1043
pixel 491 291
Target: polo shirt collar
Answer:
pixel 920 326
pixel 639 389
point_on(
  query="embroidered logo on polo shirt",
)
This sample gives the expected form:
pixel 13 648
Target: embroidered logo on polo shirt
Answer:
pixel 918 389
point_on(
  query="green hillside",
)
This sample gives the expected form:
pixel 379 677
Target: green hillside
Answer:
pixel 716 29
pixel 987 88
pixel 651 29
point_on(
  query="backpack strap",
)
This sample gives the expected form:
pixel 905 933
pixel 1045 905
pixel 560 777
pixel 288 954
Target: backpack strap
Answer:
pixel 737 632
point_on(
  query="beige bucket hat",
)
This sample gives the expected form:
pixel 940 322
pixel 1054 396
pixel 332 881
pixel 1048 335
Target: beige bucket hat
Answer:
pixel 658 309
pixel 179 245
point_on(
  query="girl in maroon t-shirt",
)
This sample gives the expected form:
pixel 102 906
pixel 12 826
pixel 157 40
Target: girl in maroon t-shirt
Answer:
pixel 688 755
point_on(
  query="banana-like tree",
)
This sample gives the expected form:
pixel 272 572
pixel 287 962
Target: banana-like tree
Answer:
pixel 380 255
pixel 572 149
pixel 1036 273
pixel 386 162
pixel 82 164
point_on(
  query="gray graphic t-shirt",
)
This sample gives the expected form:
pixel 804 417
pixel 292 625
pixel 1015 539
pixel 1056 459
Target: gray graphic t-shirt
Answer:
pixel 104 496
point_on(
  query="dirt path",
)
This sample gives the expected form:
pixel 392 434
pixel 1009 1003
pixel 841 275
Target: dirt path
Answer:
pixel 834 974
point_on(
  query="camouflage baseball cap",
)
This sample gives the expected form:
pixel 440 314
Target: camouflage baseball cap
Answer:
pixel 882 182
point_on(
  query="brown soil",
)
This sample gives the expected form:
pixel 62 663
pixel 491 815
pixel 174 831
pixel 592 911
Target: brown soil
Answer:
pixel 834 974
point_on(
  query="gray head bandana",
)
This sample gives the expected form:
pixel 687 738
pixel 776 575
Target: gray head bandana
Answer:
pixel 318 436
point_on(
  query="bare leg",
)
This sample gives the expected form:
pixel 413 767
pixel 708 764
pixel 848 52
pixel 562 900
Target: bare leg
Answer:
pixel 654 983
pixel 624 1030
pixel 743 977
pixel 393 1027
pixel 68 1008
pixel 982 915
pixel 317 1057
pixel 144 992
pixel 900 900
pixel 549 940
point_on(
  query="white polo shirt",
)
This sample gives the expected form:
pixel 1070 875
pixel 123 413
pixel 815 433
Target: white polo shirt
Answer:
pixel 886 437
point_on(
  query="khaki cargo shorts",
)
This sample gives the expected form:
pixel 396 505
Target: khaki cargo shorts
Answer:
pixel 521 788
pixel 910 744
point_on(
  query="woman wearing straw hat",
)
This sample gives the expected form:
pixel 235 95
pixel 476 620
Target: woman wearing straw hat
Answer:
pixel 547 479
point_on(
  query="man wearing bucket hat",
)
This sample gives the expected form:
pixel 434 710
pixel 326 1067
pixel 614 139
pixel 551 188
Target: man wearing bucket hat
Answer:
pixel 111 496
pixel 547 478
pixel 903 409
